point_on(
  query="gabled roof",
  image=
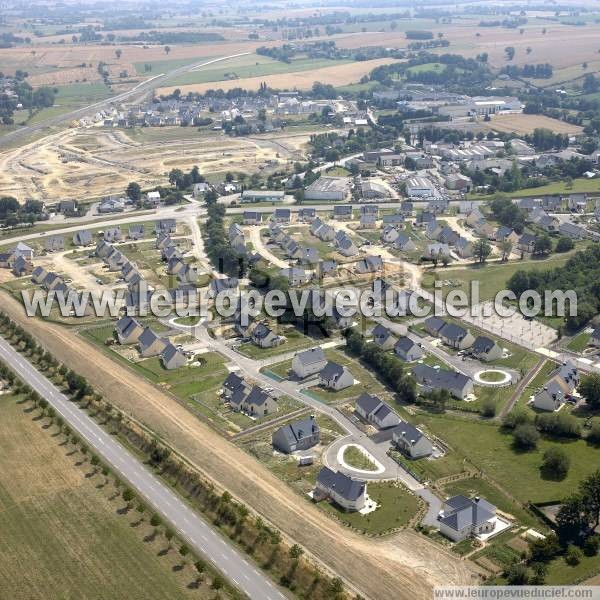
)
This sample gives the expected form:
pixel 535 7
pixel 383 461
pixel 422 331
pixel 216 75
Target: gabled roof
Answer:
pixel 297 430
pixel 405 344
pixel 170 352
pixel 408 432
pixel 453 332
pixel 346 487
pixel 257 396
pixel 368 403
pixel 332 371
pixel 233 382
pixel 312 356
pixel 482 344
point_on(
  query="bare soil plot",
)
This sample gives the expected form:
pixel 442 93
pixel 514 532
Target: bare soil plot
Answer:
pixel 303 80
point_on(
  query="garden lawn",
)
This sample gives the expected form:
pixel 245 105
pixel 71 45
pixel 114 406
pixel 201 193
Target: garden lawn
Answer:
pixel 396 508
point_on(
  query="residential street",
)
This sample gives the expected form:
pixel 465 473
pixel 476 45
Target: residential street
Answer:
pixel 194 530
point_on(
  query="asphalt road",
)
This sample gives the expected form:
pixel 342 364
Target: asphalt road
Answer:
pixel 143 87
pixel 195 531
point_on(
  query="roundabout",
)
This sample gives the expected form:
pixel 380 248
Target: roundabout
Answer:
pixel 492 377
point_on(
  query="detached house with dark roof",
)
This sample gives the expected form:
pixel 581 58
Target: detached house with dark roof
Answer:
pixel 309 362
pixel 151 344
pixel 264 337
pixel 375 411
pixel 172 358
pixel 407 349
pixel 383 337
pixel 335 377
pixel 346 492
pixel 411 441
pixel 463 517
pixel 456 336
pixel 297 435
pixel 259 403
pixel 558 388
pixel 128 330
pixel 486 349
pixel 430 378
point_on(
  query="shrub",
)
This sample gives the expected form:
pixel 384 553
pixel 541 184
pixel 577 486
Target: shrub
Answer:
pixel 573 556
pixel 592 545
pixel 556 463
pixel 526 436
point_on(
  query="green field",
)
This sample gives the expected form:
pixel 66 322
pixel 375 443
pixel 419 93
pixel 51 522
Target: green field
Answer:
pixel 63 537
pixel 556 187
pixel 492 277
pixel 252 66
pixel 489 449
pixel 167 65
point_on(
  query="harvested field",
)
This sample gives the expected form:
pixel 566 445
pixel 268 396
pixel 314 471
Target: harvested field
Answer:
pixel 524 124
pixel 303 80
pixel 402 566
pixel 62 536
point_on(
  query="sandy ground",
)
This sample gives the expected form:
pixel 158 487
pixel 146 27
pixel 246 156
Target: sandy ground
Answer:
pixel 302 80
pixel 86 162
pixel 404 566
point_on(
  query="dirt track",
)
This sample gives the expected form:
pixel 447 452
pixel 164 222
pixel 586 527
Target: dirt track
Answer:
pixel 402 566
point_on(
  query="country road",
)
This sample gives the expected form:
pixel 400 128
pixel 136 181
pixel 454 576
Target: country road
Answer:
pixel 141 88
pixel 198 534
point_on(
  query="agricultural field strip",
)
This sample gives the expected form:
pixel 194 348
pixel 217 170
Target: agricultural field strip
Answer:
pixel 191 527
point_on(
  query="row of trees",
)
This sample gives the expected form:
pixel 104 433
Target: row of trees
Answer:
pixel 386 365
pixel 581 274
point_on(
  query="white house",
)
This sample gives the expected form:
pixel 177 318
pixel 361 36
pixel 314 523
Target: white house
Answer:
pixel 462 517
pixel 309 362
pixel 335 377
pixel 376 412
pixel 348 493
pixel 412 441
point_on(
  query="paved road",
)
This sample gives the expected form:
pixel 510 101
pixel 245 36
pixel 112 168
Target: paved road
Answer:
pixel 197 533
pixel 140 88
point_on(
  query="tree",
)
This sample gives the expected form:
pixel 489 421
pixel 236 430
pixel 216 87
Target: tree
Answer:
pixel 217 582
pixel 167 49
pixel 296 552
pixel 169 533
pixel 564 244
pixel 589 388
pixel 118 53
pixel 555 463
pixel 183 551
pixel 200 567
pixel 517 575
pixel 509 51
pixel 481 250
pixel 526 436
pixel 506 247
pixel 591 545
pixel 134 192
pixel 542 245
pixel 590 492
